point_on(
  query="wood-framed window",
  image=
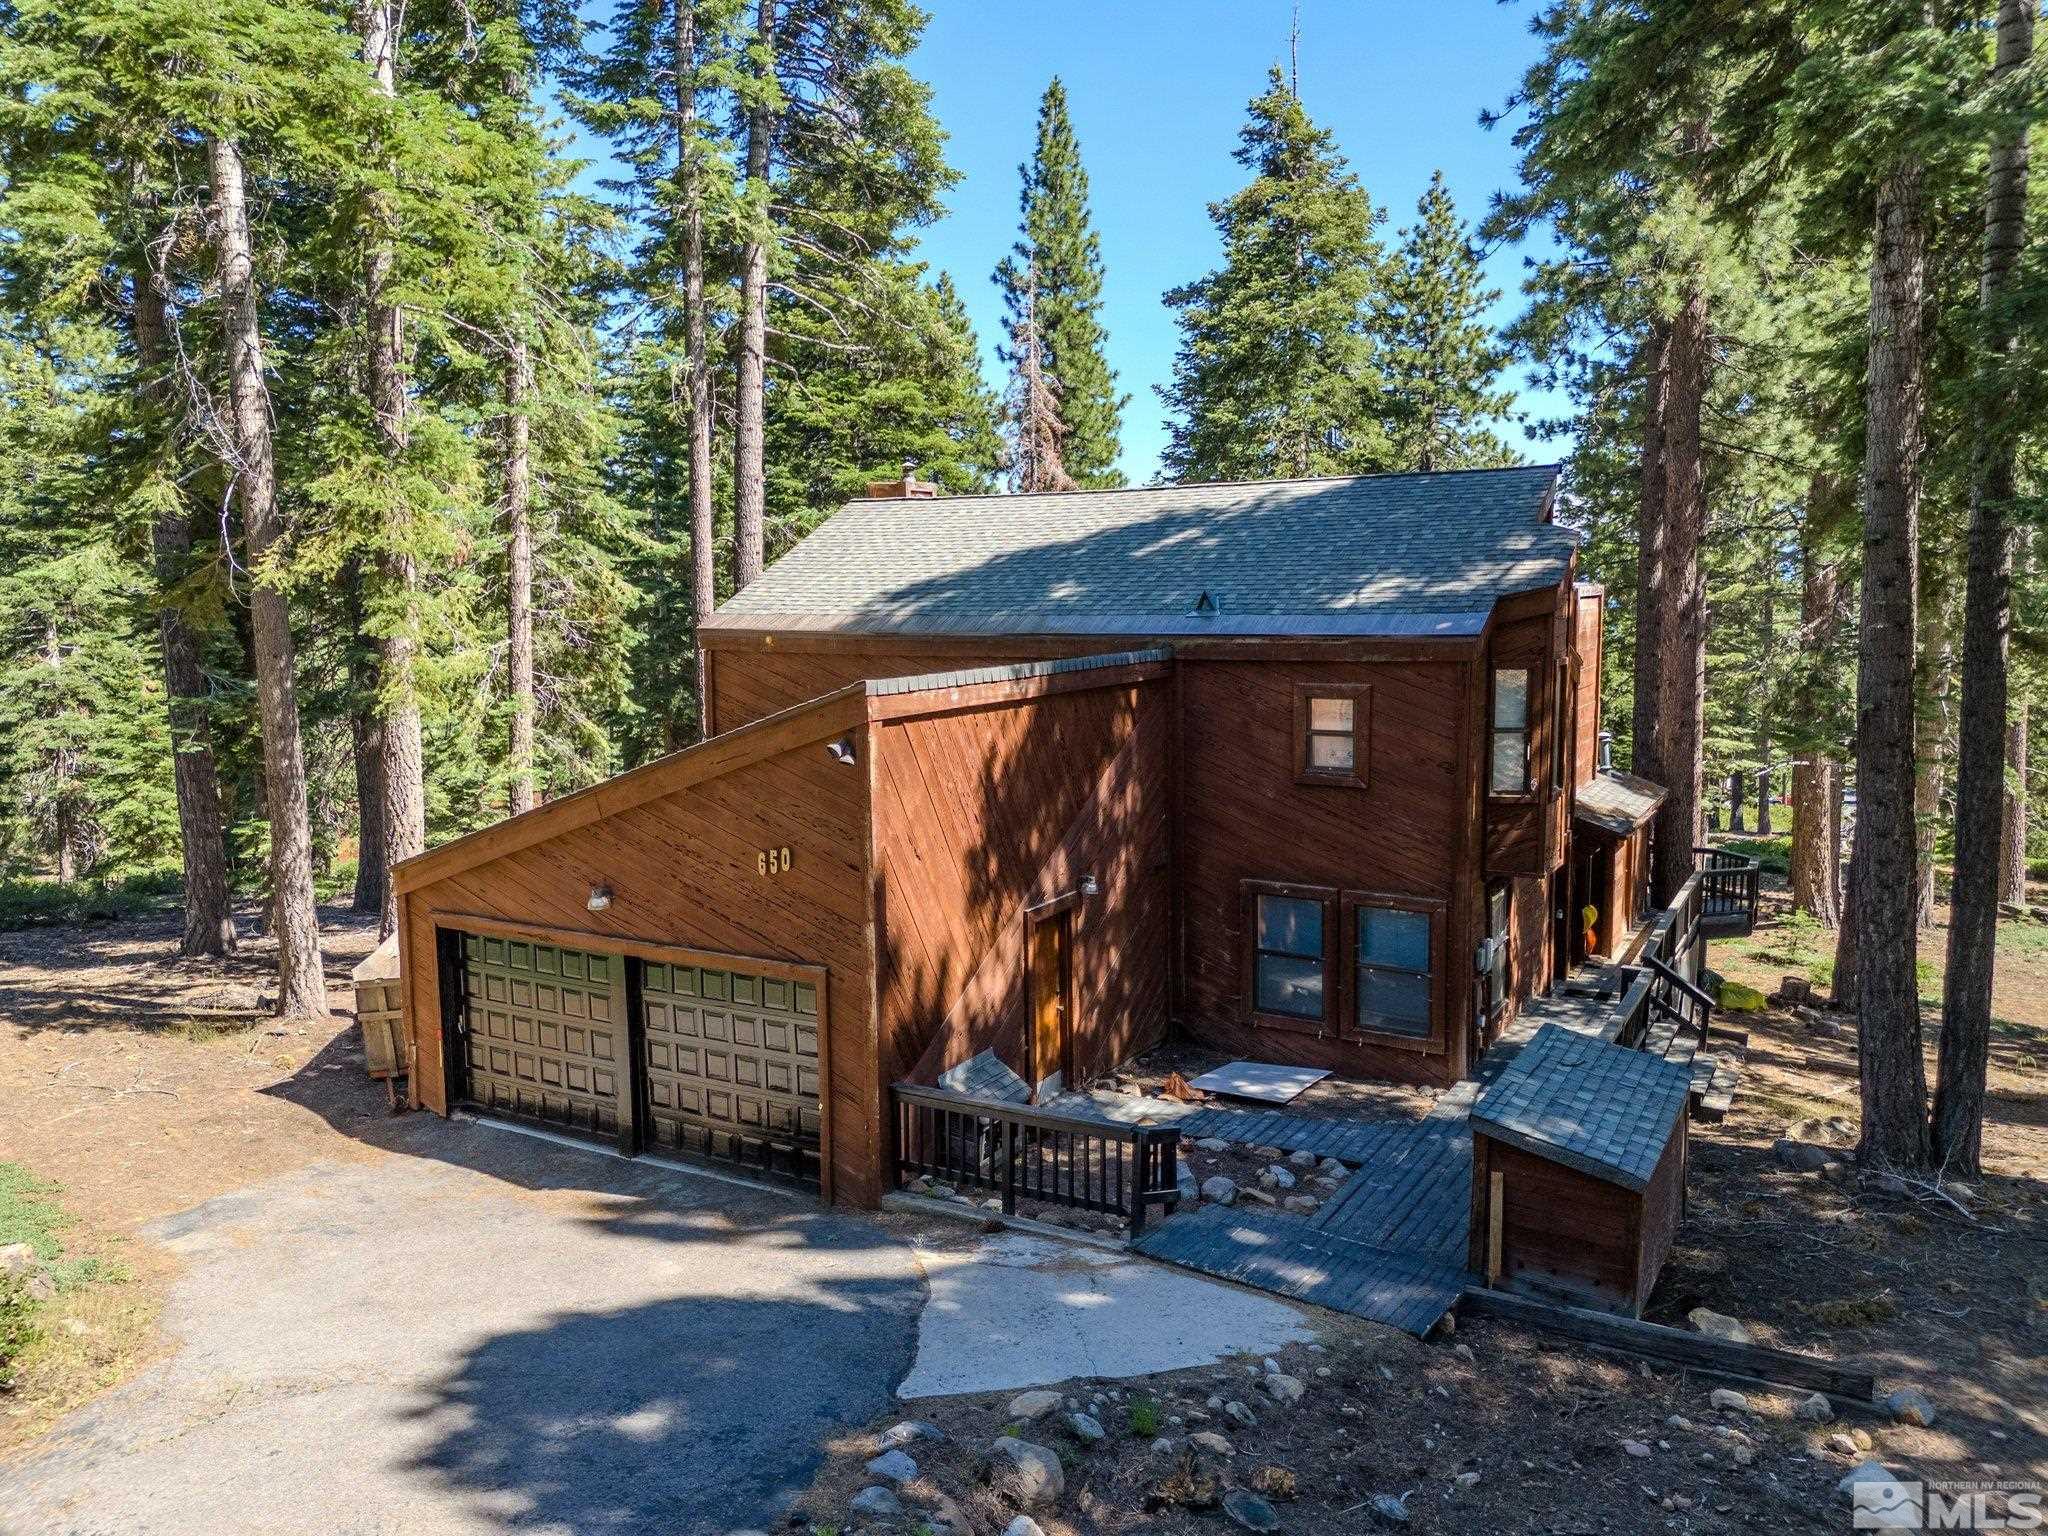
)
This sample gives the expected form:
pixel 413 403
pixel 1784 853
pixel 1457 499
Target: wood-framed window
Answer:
pixel 1508 754
pixel 1332 733
pixel 1290 942
pixel 1396 946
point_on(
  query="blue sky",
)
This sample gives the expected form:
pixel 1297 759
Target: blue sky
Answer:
pixel 1157 90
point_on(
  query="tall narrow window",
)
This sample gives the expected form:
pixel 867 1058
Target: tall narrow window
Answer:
pixel 1396 962
pixel 1510 774
pixel 1290 956
pixel 1497 950
pixel 1332 729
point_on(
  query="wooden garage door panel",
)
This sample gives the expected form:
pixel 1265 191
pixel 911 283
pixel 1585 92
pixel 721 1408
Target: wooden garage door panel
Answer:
pixel 732 1067
pixel 544 1032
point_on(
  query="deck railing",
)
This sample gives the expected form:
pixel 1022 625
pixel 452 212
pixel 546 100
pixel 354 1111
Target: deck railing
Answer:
pixel 1728 888
pixel 1027 1156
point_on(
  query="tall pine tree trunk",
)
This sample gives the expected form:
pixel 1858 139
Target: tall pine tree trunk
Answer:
pixel 519 570
pixel 750 486
pixel 393 567
pixel 367 733
pixel 2012 859
pixel 1767 646
pixel 1958 1125
pixel 302 987
pixel 1816 821
pixel 1646 727
pixel 202 840
pixel 690 168
pixel 1894 1079
pixel 1682 664
pixel 1936 666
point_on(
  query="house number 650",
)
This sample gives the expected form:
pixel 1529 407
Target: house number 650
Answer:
pixel 773 861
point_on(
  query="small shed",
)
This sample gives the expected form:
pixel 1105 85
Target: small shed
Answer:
pixel 1578 1171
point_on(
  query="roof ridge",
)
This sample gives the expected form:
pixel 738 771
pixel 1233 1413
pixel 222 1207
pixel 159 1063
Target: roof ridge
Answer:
pixel 1555 467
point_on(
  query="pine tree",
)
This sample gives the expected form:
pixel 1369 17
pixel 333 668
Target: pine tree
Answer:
pixel 1443 361
pixel 1032 412
pixel 1278 373
pixel 1052 282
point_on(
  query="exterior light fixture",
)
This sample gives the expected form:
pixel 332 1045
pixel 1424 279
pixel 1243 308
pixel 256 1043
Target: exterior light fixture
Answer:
pixel 841 751
pixel 1090 886
pixel 600 898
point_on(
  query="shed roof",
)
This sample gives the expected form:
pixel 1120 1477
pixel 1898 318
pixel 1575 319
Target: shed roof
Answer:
pixel 1602 1109
pixel 1617 802
pixel 1405 555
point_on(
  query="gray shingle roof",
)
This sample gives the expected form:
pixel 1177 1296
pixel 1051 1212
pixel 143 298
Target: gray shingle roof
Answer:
pixel 1617 802
pixel 1602 1109
pixel 1418 554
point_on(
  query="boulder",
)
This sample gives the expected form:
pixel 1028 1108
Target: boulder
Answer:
pixel 1219 1189
pixel 906 1432
pixel 1248 1510
pixel 40 1287
pixel 1029 1473
pixel 1816 1409
pixel 893 1467
pixel 1277 1177
pixel 878 1501
pixel 1301 1160
pixel 1085 1428
pixel 1208 1440
pixel 1717 1325
pixel 1301 1205
pixel 1023 1525
pixel 1888 1497
pixel 1729 1400
pixel 1283 1389
pixel 1236 1410
pixel 1909 1405
pixel 1032 1406
pixel 1841 1444
pixel 1802 1156
pixel 18 1259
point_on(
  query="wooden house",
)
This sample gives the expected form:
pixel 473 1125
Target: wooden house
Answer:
pixel 1300 769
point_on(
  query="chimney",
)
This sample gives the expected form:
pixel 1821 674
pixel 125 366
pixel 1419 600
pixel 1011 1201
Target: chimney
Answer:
pixel 909 487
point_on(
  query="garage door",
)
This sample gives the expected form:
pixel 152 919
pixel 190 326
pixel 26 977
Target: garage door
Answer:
pixel 544 1032
pixel 731 1065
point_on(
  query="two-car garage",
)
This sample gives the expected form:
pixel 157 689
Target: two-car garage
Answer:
pixel 707 1062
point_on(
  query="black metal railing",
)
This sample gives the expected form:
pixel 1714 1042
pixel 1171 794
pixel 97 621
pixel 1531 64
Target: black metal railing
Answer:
pixel 1677 1001
pixel 1728 889
pixel 1030 1157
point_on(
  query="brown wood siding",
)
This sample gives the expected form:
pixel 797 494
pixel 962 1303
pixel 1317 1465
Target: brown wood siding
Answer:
pixel 752 680
pixel 1563 1232
pixel 983 813
pixel 1525 834
pixel 683 869
pixel 1663 1209
pixel 1244 818
pixel 1588 644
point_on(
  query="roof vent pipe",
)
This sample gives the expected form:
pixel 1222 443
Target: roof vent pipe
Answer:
pixel 1607 751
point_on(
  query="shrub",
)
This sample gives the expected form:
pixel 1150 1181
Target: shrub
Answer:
pixel 1144 1417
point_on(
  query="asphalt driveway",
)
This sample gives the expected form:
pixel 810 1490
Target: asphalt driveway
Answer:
pixel 484 1333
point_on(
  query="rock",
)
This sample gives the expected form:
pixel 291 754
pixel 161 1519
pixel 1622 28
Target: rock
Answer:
pixel 906 1432
pixel 1302 1160
pixel 1085 1428
pixel 1276 1177
pixel 1728 1400
pixel 1841 1444
pixel 1872 1472
pixel 1743 1455
pixel 1162 1446
pixel 1219 1189
pixel 1464 1353
pixel 1029 1473
pixel 1816 1409
pixel 1678 1421
pixel 1862 1438
pixel 1267 1154
pixel 1208 1440
pixel 1634 1448
pixel 1890 1184
pixel 1335 1168
pixel 1389 1507
pixel 1802 1156
pixel 877 1501
pixel 1023 1525
pixel 17 1259
pixel 1445 1327
pixel 1270 1366
pixel 1032 1406
pixel 1467 1479
pixel 1909 1405
pixel 1717 1325
pixel 1283 1388
pixel 40 1286
pixel 1186 1189
pixel 1213 1144
pixel 1303 1204
pixel 1250 1511
pixel 1236 1410
pixel 893 1466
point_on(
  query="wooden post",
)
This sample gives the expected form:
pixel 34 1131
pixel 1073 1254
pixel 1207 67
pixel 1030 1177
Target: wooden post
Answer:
pixel 1495 1201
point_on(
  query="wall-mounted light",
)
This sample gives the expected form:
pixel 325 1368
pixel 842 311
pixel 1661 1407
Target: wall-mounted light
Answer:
pixel 1090 886
pixel 841 751
pixel 600 898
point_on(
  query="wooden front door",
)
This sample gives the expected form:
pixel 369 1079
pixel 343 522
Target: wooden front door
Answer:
pixel 1051 983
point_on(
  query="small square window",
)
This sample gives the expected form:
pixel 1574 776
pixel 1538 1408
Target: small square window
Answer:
pixel 1332 726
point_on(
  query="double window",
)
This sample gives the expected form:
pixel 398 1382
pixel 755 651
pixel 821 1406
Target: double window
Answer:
pixel 1510 749
pixel 1332 733
pixel 1350 963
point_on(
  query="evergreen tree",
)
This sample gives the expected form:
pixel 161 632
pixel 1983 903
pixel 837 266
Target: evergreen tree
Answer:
pixel 1052 287
pixel 1442 359
pixel 1278 373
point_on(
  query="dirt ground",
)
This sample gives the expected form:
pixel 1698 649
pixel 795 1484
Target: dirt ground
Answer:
pixel 1494 1428
pixel 140 1084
